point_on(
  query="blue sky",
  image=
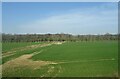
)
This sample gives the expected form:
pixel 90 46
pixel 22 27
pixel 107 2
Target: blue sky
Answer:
pixel 62 17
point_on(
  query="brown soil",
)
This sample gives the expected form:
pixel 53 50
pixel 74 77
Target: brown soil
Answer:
pixel 25 60
pixel 12 52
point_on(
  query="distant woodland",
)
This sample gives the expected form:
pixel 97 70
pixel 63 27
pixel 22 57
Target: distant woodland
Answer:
pixel 56 37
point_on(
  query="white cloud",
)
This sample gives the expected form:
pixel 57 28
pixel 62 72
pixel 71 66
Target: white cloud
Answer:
pixel 75 23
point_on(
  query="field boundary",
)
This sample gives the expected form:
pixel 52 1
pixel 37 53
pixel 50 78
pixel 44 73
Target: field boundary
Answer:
pixel 112 59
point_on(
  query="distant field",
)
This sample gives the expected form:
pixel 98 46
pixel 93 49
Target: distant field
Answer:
pixel 66 59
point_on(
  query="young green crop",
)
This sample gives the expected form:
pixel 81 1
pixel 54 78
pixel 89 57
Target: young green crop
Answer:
pixel 74 59
pixel 13 45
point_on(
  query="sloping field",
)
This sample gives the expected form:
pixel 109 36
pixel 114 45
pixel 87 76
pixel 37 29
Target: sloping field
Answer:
pixel 66 59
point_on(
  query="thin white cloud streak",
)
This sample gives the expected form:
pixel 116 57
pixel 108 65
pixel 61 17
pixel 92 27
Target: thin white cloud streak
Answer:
pixel 75 23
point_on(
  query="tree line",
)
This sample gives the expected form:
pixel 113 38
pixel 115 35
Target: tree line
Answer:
pixel 56 37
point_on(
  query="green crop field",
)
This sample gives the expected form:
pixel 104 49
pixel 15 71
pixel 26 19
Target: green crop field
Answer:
pixel 10 46
pixel 61 59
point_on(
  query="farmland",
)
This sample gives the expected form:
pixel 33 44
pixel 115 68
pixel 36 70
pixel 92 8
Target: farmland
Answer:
pixel 59 39
pixel 60 59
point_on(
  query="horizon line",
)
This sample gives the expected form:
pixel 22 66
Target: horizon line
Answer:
pixel 60 33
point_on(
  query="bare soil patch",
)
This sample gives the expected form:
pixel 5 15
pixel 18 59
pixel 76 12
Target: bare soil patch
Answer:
pixel 25 60
pixel 12 52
